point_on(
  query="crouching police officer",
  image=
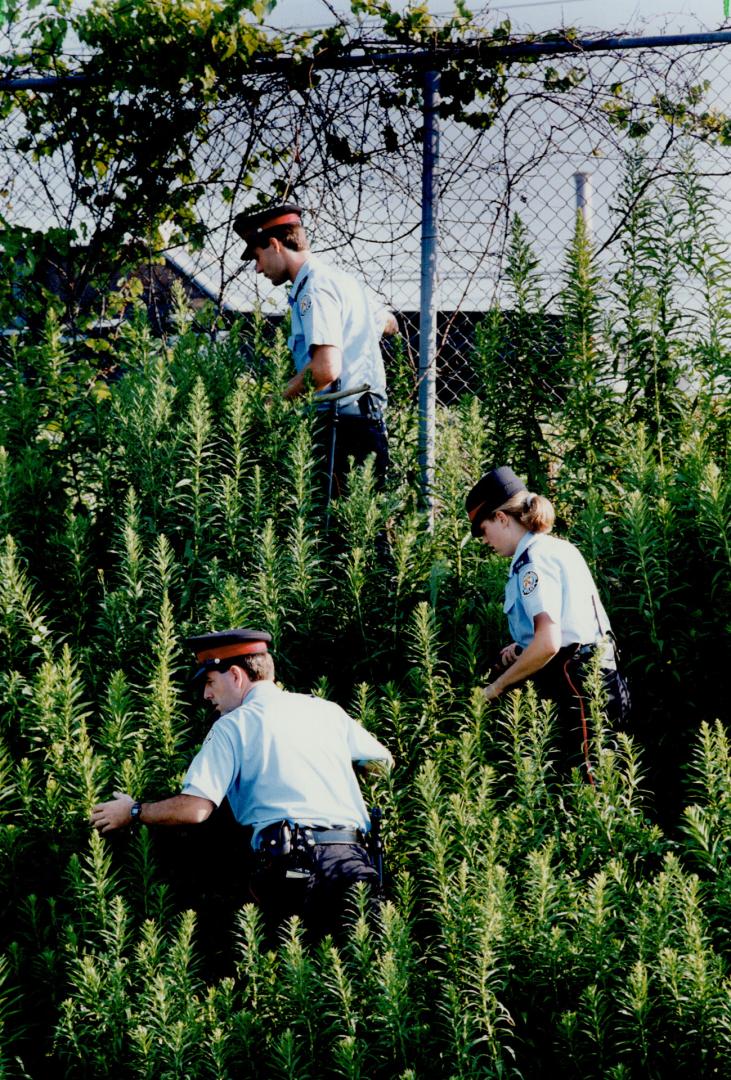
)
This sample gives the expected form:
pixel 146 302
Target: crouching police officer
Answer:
pixel 285 762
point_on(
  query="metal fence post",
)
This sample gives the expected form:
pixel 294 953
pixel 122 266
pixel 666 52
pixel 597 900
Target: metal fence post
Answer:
pixel 429 293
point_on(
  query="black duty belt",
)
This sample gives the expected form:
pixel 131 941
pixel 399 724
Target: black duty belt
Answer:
pixel 281 838
pixel 586 652
pixel 336 836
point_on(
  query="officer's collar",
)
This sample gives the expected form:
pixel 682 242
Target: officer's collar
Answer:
pixel 259 689
pixel 523 545
pixel 312 260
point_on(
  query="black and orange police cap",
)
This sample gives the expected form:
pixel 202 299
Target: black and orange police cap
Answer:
pixel 219 650
pixel 253 226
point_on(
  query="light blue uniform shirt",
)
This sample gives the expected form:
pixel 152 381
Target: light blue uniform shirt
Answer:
pixel 285 756
pixel 330 307
pixel 551 575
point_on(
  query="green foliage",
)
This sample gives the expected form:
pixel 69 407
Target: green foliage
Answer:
pixel 513 357
pixel 583 439
pixel 533 923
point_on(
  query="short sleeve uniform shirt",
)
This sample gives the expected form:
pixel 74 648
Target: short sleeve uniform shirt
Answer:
pixel 550 575
pixel 330 307
pixel 285 756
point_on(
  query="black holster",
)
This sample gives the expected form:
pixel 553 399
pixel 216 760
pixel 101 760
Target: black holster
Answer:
pixel 370 407
pixel 288 848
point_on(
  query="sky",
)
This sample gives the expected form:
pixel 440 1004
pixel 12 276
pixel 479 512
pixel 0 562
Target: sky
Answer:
pixel 626 16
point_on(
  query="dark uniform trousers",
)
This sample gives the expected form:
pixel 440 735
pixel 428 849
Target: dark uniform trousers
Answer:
pixel 563 681
pixel 314 886
pixel 354 437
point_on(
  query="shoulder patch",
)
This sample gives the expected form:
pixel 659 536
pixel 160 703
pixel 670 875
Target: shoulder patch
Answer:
pixel 529 582
pixel 305 304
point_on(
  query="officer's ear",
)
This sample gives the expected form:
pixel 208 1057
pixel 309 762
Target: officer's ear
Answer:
pixel 238 675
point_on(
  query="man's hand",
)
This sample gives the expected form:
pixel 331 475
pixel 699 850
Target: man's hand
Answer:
pixel 490 692
pixel 322 369
pixel 114 814
pixel 390 324
pixel 374 768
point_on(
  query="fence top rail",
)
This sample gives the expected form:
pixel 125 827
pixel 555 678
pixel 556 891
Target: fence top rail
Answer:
pixel 431 58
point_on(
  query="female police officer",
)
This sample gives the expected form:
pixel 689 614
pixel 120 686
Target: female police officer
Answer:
pixel 555 616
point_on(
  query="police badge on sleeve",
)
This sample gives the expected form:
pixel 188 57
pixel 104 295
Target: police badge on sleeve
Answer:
pixel 529 583
pixel 305 305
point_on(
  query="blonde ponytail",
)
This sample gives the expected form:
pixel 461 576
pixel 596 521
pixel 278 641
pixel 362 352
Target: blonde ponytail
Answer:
pixel 538 514
pixel 534 512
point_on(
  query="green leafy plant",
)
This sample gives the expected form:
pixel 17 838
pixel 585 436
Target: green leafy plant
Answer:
pixel 534 922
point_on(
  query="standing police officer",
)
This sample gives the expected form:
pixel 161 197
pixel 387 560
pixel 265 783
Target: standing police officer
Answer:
pixel 556 618
pixel 285 762
pixel 334 337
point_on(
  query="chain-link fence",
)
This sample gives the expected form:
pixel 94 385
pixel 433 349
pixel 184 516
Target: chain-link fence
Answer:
pixel 349 145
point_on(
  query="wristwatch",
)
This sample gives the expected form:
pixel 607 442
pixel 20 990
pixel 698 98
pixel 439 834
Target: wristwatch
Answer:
pixel 134 812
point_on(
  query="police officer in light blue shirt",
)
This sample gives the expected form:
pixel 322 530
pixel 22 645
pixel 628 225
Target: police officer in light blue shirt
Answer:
pixel 335 334
pixel 550 575
pixel 329 306
pixel 278 755
pixel 285 763
pixel 556 618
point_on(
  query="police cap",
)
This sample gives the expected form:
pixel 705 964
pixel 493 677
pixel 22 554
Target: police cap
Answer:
pixel 490 493
pixel 254 226
pixel 218 651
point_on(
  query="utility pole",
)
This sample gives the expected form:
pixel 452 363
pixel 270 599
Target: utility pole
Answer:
pixel 429 291
pixel 582 183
